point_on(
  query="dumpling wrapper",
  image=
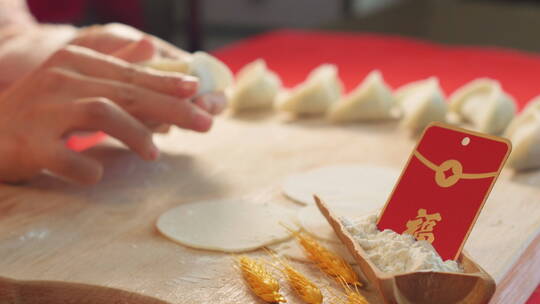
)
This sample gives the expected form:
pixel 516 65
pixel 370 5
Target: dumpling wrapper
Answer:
pixel 483 103
pixel 421 103
pixel 256 87
pixel 213 75
pixel 292 250
pixel 227 225
pixel 314 223
pixel 341 184
pixel 371 100
pixel 525 138
pixel 315 95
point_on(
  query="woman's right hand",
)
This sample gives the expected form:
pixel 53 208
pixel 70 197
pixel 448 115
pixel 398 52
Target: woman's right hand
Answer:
pixel 78 89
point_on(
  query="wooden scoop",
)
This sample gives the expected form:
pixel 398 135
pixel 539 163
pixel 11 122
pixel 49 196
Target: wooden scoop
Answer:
pixel 429 287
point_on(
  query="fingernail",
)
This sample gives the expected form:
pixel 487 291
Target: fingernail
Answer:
pixel 188 85
pixel 202 122
pixel 220 101
pixel 208 104
pixel 153 154
pixel 216 103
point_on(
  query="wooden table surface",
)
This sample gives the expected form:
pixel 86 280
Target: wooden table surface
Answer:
pixel 105 235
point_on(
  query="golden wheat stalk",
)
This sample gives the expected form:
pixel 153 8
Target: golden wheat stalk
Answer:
pixel 304 287
pixel 329 262
pixel 260 281
pixel 352 296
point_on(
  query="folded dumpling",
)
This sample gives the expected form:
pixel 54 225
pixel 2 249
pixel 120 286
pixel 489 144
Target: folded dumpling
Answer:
pixel 371 100
pixel 421 103
pixel 411 87
pixel 256 87
pixel 484 104
pixel 213 75
pixel 525 138
pixel 529 110
pixel 315 95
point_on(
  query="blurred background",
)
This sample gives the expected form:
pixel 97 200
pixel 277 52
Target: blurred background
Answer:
pixel 210 24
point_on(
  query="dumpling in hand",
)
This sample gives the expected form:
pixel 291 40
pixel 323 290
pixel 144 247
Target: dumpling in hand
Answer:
pixel 525 137
pixel 213 75
pixel 256 87
pixel 421 102
pixel 532 107
pixel 483 103
pixel 315 95
pixel 371 100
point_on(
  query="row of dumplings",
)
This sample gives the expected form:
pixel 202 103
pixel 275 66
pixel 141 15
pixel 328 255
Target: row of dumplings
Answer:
pixel 481 104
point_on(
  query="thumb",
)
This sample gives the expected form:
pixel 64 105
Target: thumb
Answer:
pixel 137 51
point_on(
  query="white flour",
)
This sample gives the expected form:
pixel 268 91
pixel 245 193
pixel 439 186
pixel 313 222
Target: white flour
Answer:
pixel 396 253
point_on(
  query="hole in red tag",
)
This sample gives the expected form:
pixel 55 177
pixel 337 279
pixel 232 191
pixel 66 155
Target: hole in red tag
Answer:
pixel 466 141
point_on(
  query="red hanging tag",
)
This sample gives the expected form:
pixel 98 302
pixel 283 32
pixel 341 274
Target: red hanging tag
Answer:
pixel 444 186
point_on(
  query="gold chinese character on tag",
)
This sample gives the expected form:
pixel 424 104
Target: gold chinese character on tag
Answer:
pixel 422 226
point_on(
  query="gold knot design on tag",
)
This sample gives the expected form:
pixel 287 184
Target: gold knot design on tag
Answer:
pixel 450 171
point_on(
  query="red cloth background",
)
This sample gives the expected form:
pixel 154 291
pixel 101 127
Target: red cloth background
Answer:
pixel 294 53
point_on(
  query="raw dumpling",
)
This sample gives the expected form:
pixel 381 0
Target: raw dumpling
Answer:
pixel 483 103
pixel 315 95
pixel 227 225
pixel 524 132
pixel 411 87
pixel 370 185
pixel 421 103
pixel 371 100
pixel 213 75
pixel 532 107
pixel 256 87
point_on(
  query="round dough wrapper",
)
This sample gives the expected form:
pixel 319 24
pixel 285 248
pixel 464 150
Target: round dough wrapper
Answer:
pixel 227 225
pixel 316 224
pixel 341 183
pixel 294 251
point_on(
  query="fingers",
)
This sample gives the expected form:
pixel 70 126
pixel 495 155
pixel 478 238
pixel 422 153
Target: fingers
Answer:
pixel 72 165
pixel 108 38
pixel 102 114
pixel 146 105
pixel 213 103
pixel 141 50
pixel 91 63
pixel 96 114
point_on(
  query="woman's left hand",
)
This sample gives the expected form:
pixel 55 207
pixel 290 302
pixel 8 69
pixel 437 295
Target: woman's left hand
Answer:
pixel 132 45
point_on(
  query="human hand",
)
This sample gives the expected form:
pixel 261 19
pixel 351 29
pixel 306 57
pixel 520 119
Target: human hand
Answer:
pixel 134 46
pixel 78 89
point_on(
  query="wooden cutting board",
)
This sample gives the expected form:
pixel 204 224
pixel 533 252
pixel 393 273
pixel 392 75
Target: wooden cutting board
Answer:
pixel 105 234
